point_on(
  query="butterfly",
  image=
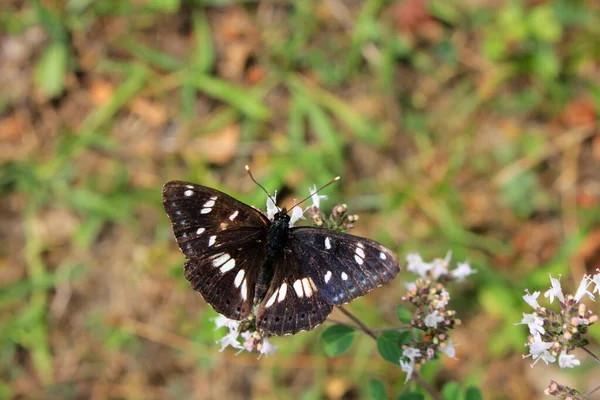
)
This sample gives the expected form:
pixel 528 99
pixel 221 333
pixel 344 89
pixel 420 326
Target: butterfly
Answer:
pixel 288 277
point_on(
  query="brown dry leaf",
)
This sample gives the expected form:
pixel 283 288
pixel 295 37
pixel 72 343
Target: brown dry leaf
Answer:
pixel 12 128
pixel 153 113
pixel 218 148
pixel 579 112
pixel 101 92
pixel 255 74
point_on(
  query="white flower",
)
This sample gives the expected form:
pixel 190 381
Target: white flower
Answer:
pixel 407 367
pixel 555 290
pixel 449 349
pixel 410 286
pixel 534 323
pixel 231 339
pixel 316 198
pixel 567 360
pixel 596 281
pixel 443 299
pixel 538 350
pixel 266 348
pixel 221 321
pixel 416 264
pixel 411 353
pixel 438 268
pixel 432 319
pixel 531 299
pixel 271 206
pixel 582 289
pixel 462 271
pixel 297 213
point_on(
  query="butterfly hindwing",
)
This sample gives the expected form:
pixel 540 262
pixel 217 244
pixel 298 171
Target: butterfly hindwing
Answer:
pixel 293 302
pixel 343 266
pixel 224 240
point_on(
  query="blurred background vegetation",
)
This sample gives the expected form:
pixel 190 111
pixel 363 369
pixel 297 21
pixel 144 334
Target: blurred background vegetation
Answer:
pixel 468 126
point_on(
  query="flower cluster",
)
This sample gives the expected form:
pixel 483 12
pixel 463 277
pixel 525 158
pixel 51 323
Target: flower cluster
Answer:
pixel 338 220
pixel 430 298
pixel 242 336
pixel 553 335
pixel 563 392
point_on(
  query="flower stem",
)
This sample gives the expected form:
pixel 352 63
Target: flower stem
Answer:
pixel 432 392
pixel 392 329
pixel 585 396
pixel 595 357
pixel 358 322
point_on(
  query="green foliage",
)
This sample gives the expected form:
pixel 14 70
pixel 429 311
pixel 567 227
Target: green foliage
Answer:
pixel 337 339
pixel 473 393
pixel 377 390
pixel 389 345
pixel 404 315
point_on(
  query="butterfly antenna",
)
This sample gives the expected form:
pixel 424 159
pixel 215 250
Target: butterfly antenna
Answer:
pixel 259 185
pixel 337 178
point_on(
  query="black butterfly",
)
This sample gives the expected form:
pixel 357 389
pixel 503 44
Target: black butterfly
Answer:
pixel 238 259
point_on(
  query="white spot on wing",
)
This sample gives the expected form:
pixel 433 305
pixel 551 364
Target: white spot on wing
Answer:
pixel 307 289
pixel 228 266
pixel 382 256
pixel 209 203
pixel 327 276
pixel 244 290
pixel 212 240
pixel 213 198
pixel 344 276
pixel 189 186
pixel 188 193
pixel 220 259
pixel 358 260
pixel 312 285
pixel 205 210
pixel 199 231
pixel 232 216
pixel 360 252
pixel 271 299
pixel 239 277
pixel 282 292
pixel 298 288
pixel 360 245
pixel 327 243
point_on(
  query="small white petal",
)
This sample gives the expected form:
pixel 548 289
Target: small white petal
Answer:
pixel 567 360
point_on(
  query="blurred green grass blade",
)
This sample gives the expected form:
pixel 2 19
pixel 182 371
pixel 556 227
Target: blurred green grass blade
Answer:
pixel 51 70
pixel 296 130
pixel 51 22
pixel 150 55
pixel 203 55
pixel 92 203
pixel 166 6
pixel 353 120
pixel 239 98
pixel 137 77
pixel 377 390
pixel 35 335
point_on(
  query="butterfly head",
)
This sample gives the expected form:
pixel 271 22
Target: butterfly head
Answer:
pixel 282 216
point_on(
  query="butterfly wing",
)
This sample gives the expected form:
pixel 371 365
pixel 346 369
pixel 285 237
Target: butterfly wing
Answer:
pixel 224 240
pixel 343 266
pixel 293 303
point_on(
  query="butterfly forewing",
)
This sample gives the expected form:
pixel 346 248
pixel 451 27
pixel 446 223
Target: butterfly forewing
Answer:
pixel 343 266
pixel 225 241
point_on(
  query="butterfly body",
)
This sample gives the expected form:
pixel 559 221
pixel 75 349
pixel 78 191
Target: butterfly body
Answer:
pixel 292 277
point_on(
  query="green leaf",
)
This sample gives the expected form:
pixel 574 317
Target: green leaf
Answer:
pixel 411 396
pixel 389 345
pixel 473 393
pixel 337 339
pixel 203 56
pixel 404 315
pixel 51 70
pixel 168 6
pixel 451 391
pixel 377 390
